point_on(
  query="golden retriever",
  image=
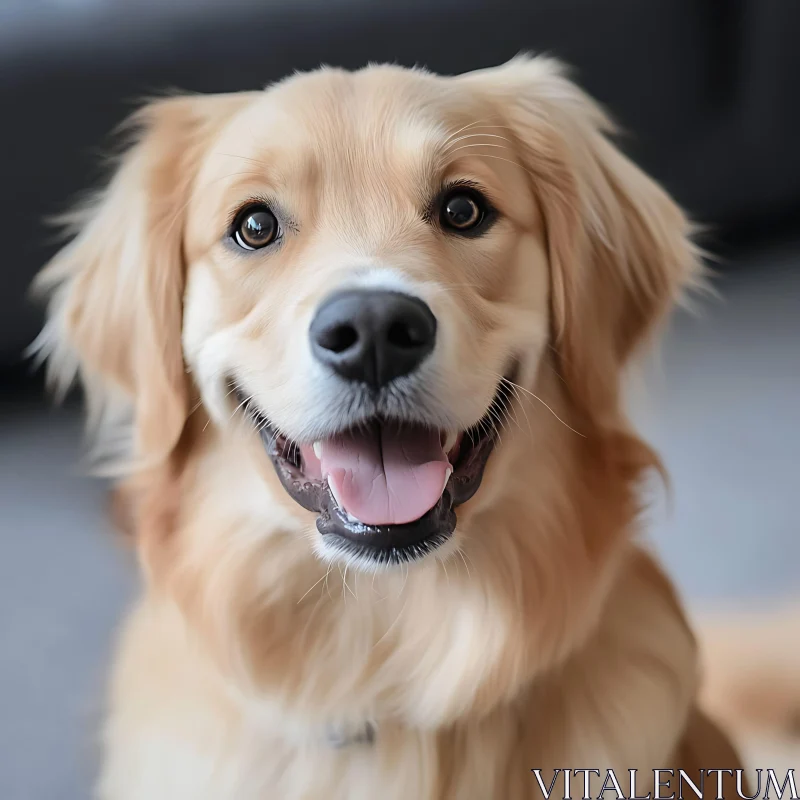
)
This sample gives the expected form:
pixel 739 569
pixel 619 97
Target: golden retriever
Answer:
pixel 357 343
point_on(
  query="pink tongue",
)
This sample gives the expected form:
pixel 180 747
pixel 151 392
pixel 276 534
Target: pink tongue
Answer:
pixel 385 475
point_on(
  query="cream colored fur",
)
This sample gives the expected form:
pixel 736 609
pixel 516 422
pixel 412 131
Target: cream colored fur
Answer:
pixel 542 635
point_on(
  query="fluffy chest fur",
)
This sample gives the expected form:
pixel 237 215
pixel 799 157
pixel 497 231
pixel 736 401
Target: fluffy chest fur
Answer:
pixel 185 729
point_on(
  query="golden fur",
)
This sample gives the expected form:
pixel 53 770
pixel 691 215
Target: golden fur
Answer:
pixel 542 635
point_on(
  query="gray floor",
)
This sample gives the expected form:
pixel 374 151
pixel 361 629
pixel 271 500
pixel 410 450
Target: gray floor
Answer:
pixel 721 406
pixel 63 583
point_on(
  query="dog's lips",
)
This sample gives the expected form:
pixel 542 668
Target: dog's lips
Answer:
pixel 390 532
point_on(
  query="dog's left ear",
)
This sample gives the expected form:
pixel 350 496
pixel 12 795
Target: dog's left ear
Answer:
pixel 117 288
pixel 619 247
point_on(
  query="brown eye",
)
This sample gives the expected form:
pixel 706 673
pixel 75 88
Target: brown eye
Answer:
pixel 255 227
pixel 462 210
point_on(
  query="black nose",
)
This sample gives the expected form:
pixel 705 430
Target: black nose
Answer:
pixel 373 336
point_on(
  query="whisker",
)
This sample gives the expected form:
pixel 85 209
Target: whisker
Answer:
pixel 495 415
pixel 507 412
pixel 391 627
pixel 466 566
pixel 311 618
pixel 508 160
pixel 481 123
pixel 244 402
pixel 244 158
pixel 507 418
pixel 519 398
pixel 467 556
pixel 325 585
pixel 477 144
pixel 195 407
pixel 316 583
pixel 479 136
pixel 536 397
pixel 346 584
pixel 510 414
pixel 467 127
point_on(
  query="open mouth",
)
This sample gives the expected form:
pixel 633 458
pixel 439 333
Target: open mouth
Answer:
pixel 386 490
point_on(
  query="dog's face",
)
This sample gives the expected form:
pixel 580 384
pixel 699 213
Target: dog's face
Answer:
pixel 363 277
pixel 368 268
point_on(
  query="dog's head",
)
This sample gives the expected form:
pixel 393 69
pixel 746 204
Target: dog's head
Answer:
pixel 376 271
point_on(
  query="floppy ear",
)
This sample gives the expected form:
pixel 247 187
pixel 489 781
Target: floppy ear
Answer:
pixel 619 247
pixel 116 288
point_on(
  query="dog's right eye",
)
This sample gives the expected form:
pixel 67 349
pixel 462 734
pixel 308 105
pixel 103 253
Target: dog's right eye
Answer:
pixel 255 227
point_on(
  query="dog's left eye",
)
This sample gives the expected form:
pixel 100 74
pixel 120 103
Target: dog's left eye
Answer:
pixel 255 227
pixel 463 210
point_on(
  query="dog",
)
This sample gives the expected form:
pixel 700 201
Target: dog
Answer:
pixel 355 346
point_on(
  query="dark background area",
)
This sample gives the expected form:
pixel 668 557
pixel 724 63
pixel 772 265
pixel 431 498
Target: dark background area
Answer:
pixel 708 92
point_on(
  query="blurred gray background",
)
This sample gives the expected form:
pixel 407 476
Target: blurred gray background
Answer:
pixel 707 93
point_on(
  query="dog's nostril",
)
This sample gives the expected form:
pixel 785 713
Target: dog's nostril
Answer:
pixel 372 335
pixel 400 334
pixel 339 338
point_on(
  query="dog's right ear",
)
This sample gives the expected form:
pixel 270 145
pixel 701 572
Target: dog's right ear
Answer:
pixel 620 249
pixel 116 289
